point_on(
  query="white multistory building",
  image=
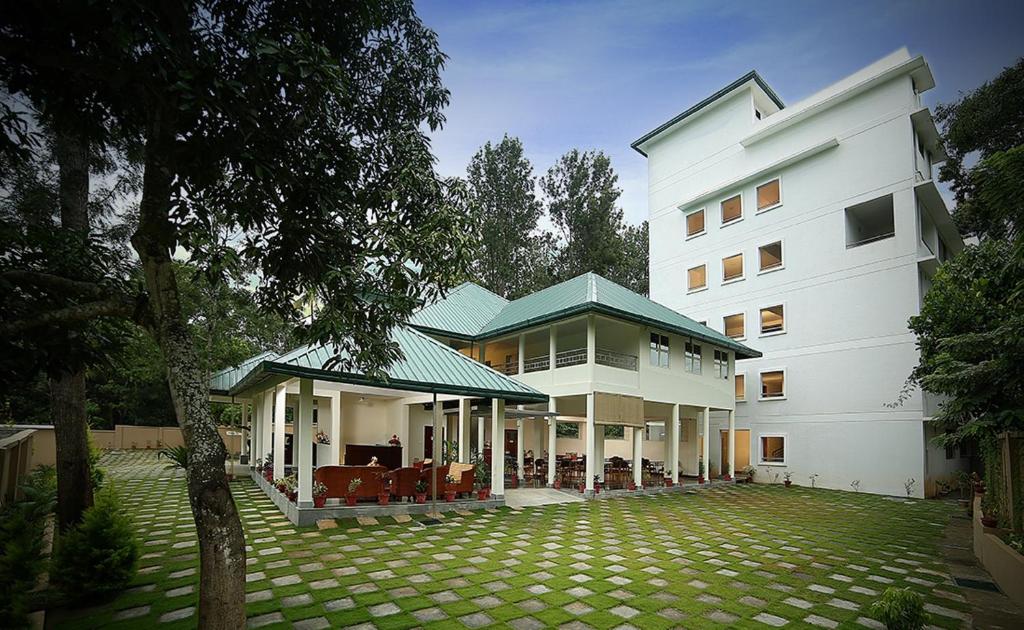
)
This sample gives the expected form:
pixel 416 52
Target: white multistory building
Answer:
pixel 810 232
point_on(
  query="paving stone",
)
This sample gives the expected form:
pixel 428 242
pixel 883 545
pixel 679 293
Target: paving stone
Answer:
pixel 344 603
pixel 384 610
pixel 748 600
pixel 722 617
pixel 312 623
pixel 259 596
pixel 525 623
pixel 532 605
pixel 822 622
pixel 177 615
pixel 946 612
pixel 429 614
pixel 476 620
pixel 625 612
pixel 302 599
pixel 131 613
pixel 771 620
pixel 286 580
pixel 444 597
pixel 265 620
pixel 181 590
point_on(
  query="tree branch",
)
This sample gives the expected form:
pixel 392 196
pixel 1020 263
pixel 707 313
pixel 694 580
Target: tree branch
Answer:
pixel 119 306
pixel 51 281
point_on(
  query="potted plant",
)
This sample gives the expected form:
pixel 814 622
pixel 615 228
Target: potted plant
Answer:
pixel 292 483
pixel 353 486
pixel 384 495
pixel 268 467
pixel 631 486
pixel 668 478
pixel 319 494
pixel 786 478
pixel 421 491
pixel 557 484
pixel 700 472
pixel 989 513
pixel 449 488
pixel 417 464
pixel 583 487
pixel 597 484
pixel 394 441
pixel 281 484
pixel 749 472
pixel 323 438
pixel 483 481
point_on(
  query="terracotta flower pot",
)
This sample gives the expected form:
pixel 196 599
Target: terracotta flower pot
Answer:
pixel 727 477
pixel 293 496
pixel 319 501
pixel 383 499
pixel 583 488
pixel 514 483
pixel 668 482
pixel 481 494
pixel 989 521
pixel 350 500
pixel 597 488
pixel 421 497
pixel 700 479
pixel 558 484
pixel 632 486
pixel 788 483
pixel 449 496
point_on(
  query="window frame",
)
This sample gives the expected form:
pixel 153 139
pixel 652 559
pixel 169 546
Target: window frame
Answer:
pixel 782 257
pixel 661 349
pixel 725 327
pixel 760 448
pixel 760 321
pixel 777 203
pixel 701 288
pixel 686 217
pixel 737 376
pixel 721 215
pixel 743 269
pixel 760 390
pixel 720 365
pixel 689 357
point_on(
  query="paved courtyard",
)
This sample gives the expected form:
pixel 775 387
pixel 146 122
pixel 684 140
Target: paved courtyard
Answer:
pixel 737 556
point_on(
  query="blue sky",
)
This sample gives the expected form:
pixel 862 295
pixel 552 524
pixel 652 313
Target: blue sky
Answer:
pixel 599 74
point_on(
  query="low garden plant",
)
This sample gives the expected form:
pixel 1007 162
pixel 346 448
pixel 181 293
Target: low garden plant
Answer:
pixel 22 526
pixel 900 609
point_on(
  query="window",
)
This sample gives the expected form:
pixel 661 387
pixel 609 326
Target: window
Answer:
pixel 567 430
pixel 741 388
pixel 695 223
pixel 869 222
pixel 770 256
pixel 732 209
pixel 773 320
pixel 654 432
pixel 773 449
pixel 769 195
pixel 773 384
pixel 697 278
pixel 732 268
pixel 693 359
pixel 734 326
pixel 659 350
pixel 721 364
pixel 614 432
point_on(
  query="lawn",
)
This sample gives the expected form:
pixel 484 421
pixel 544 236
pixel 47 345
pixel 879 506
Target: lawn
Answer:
pixel 737 556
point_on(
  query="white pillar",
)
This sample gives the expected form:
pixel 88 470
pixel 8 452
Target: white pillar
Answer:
pixel 403 435
pixel 337 437
pixel 591 433
pixel 675 444
pixel 280 394
pixel 267 423
pixel 497 447
pixel 480 436
pixel 302 442
pixel 520 449
pixel 706 450
pixel 464 429
pixel 552 345
pixel 246 422
pixel 256 430
pixel 591 340
pixel 638 456
pixel 732 443
pixel 552 441
pixel 599 452
pixel 522 354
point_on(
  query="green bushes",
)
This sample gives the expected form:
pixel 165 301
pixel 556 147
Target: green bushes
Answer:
pixel 22 525
pixel 98 556
pixel 900 609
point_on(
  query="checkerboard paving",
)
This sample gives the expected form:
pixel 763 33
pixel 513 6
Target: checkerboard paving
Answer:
pixel 748 556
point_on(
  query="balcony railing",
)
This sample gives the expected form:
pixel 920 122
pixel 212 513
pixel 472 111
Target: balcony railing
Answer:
pixel 537 364
pixel 870 239
pixel 566 358
pixel 509 368
pixel 615 359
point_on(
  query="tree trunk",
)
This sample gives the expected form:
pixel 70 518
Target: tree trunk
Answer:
pixel 221 540
pixel 67 379
pixel 74 482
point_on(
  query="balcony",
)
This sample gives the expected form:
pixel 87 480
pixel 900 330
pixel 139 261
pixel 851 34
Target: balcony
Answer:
pixel 576 356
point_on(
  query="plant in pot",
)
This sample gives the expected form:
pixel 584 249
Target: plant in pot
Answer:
pixel 749 472
pixel 353 486
pixel 631 485
pixel 268 467
pixel 668 477
pixel 483 481
pixel 319 494
pixel 384 496
pixel 512 465
pixel 281 484
pixel 449 488
pixel 786 477
pixel 421 491
pixel 700 472
pixel 597 484
pixel 989 512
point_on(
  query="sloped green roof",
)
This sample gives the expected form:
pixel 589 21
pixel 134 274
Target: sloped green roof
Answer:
pixel 462 313
pixel 428 366
pixel 591 292
pixel 221 382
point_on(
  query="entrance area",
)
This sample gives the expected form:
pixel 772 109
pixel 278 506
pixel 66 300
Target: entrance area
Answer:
pixel 742 449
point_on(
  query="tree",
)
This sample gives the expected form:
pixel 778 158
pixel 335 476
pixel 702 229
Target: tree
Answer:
pixel 582 200
pixel 299 129
pixel 969 331
pixel 510 257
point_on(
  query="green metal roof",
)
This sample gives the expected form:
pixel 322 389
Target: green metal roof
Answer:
pixel 462 313
pixel 428 366
pixel 221 382
pixel 593 293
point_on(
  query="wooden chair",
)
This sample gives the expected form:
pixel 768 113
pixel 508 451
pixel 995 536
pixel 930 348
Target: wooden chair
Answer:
pixel 337 478
pixel 403 481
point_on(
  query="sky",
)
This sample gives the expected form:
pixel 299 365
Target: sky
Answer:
pixel 599 74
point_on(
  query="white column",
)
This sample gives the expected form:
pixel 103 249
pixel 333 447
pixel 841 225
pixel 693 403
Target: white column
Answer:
pixel 303 442
pixel 520 449
pixel 280 394
pixel 552 441
pixel 599 452
pixel 591 433
pixel 403 435
pixel 267 423
pixel 497 447
pixel 706 450
pixel 522 354
pixel 638 456
pixel 256 430
pixel 675 444
pixel 480 436
pixel 552 345
pixel 246 422
pixel 337 437
pixel 591 340
pixel 464 429
pixel 732 443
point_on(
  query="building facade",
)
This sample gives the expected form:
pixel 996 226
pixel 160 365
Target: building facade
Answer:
pixel 811 232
